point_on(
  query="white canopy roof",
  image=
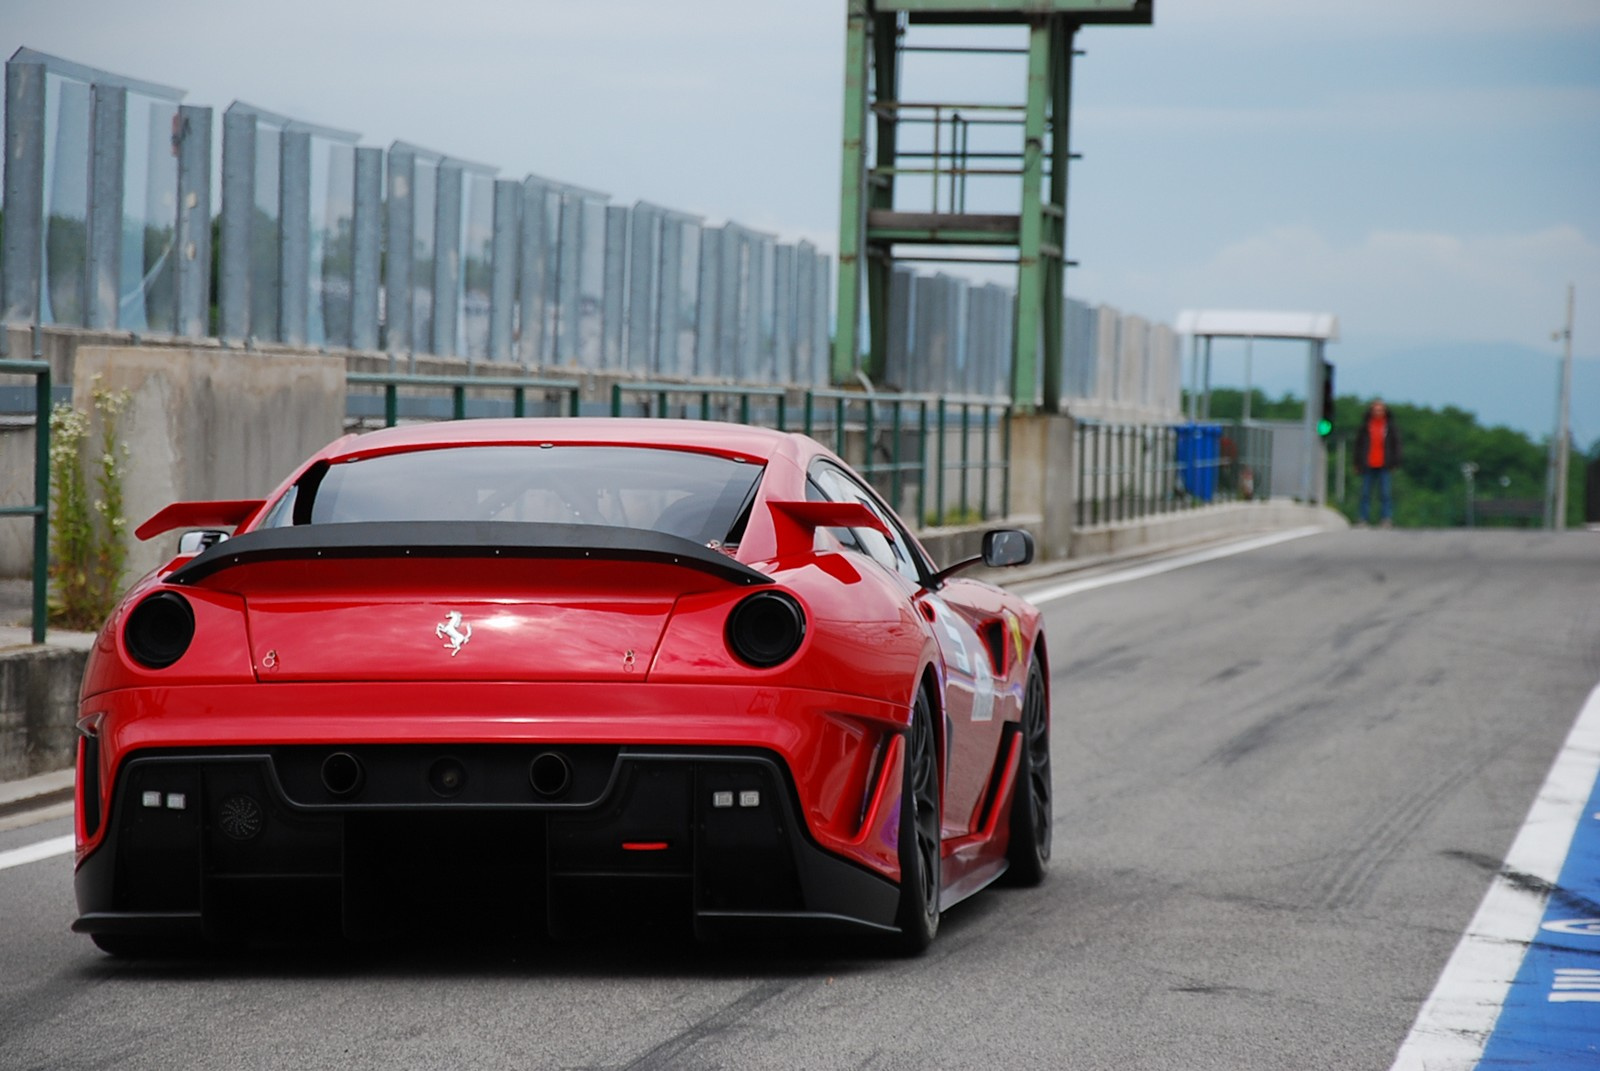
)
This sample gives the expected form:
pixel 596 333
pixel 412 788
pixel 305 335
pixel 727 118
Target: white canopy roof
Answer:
pixel 1314 326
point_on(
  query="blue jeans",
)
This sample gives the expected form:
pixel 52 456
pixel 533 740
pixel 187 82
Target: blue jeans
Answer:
pixel 1385 493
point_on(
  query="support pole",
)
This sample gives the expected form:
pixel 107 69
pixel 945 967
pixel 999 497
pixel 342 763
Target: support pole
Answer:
pixel 1055 264
pixel 1030 275
pixel 852 208
pixel 1558 518
pixel 880 189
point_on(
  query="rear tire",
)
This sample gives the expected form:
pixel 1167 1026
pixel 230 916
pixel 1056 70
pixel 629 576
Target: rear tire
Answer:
pixel 1031 827
pixel 920 871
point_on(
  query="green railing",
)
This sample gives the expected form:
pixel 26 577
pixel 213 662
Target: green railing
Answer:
pixel 517 386
pixel 971 438
pixel 40 510
pixel 703 401
pixel 1127 472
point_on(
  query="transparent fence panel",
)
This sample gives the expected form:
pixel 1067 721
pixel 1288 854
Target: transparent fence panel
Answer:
pixel 783 314
pixel 476 258
pixel 708 324
pixel 963 372
pixel 65 266
pixel 821 335
pixel 732 300
pixel 684 300
pixel 806 296
pixel 568 281
pixel 91 193
pixel 644 255
pixel 763 325
pixel 615 291
pixel 979 340
pixel 424 248
pixel 667 268
pixel 591 281
pixel 507 219
pixel 265 234
pixel 1108 343
pixel 331 239
pixel 541 248
pixel 146 298
pixel 1077 350
pixel 252 234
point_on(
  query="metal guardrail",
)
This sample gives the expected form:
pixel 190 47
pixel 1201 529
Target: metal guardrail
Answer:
pixel 40 510
pixel 517 386
pixel 1127 472
pixel 869 430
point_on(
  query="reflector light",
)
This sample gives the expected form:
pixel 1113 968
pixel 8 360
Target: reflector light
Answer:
pixel 151 799
pixel 750 798
pixel 176 801
pixel 644 845
pixel 722 799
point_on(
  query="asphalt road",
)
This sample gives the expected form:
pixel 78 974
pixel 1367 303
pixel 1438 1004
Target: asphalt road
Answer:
pixel 1283 779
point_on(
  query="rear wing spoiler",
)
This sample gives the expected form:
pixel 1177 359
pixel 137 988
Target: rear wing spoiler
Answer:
pixel 228 514
pixel 462 539
pixel 795 523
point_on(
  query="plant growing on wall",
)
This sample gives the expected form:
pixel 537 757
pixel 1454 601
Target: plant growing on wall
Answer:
pixel 88 536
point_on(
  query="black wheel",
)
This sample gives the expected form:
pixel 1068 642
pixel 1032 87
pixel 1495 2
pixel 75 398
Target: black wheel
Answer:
pixel 919 833
pixel 1029 851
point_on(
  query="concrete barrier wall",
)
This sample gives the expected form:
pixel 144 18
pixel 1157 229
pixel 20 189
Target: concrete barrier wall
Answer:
pixel 201 422
pixel 38 709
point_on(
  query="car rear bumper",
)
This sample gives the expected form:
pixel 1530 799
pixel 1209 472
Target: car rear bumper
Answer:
pixel 236 842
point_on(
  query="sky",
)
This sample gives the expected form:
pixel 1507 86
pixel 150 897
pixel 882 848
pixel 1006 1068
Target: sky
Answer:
pixel 1428 171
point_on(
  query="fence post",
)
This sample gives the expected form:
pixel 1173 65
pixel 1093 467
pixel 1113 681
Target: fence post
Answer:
pixel 193 313
pixel 108 109
pixel 294 230
pixel 22 259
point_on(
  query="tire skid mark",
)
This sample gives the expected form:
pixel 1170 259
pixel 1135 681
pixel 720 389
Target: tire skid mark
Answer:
pixel 1529 883
pixel 669 1052
pixel 1352 880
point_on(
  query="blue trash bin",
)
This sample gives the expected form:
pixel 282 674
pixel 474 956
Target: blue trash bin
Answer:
pixel 1199 455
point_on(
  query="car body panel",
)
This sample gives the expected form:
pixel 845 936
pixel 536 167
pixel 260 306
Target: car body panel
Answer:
pixel 403 646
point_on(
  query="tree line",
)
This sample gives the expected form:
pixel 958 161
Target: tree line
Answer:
pixel 1430 489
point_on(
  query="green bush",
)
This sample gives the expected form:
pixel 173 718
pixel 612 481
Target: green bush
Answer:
pixel 88 537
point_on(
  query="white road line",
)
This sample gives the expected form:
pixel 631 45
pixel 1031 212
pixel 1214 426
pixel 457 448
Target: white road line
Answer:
pixel 32 853
pixel 1166 565
pixel 1455 1023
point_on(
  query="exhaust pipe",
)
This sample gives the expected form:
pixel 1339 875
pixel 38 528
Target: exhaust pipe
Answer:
pixel 342 773
pixel 550 774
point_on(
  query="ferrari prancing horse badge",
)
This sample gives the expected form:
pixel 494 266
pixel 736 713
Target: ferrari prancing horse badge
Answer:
pixel 453 632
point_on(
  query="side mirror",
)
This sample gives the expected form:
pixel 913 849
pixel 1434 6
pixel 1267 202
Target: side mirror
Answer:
pixel 1007 546
pixel 1001 547
pixel 195 542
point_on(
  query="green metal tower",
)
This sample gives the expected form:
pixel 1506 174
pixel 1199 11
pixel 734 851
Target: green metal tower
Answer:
pixel 872 226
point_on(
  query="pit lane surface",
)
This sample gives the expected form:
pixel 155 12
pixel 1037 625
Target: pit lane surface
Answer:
pixel 1284 780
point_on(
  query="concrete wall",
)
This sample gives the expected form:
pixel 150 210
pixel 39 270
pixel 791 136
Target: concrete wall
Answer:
pixel 205 424
pixel 202 422
pixel 38 709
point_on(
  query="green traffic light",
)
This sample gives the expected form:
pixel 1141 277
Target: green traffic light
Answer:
pixel 1324 427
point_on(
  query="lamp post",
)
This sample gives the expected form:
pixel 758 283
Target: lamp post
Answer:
pixel 1558 515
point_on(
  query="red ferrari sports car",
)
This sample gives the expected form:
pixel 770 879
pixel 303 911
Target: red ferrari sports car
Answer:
pixel 544 675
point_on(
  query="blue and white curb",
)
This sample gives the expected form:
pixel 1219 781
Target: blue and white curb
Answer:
pixel 1522 988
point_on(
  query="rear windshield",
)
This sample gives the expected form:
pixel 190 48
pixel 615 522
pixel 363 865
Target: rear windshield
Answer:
pixel 698 496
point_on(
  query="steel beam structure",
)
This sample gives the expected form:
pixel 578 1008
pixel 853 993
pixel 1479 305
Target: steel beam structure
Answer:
pixel 874 230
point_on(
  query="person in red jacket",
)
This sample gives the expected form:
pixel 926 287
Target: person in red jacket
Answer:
pixel 1377 454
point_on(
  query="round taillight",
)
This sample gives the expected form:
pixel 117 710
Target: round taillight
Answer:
pixel 159 630
pixel 766 629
